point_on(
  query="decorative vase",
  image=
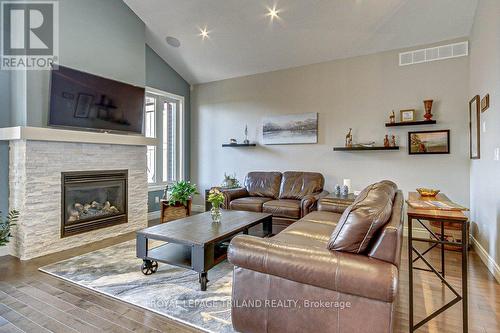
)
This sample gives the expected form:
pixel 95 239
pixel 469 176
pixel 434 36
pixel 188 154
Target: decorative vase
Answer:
pixel 428 109
pixel 337 189
pixel 345 191
pixel 216 214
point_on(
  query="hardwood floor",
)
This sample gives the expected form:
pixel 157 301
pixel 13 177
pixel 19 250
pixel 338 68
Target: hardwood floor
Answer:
pixel 31 301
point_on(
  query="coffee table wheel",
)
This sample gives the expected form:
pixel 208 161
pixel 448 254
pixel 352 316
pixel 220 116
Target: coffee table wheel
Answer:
pixel 203 279
pixel 149 267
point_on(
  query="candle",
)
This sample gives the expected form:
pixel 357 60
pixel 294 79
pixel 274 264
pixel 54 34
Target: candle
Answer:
pixel 347 182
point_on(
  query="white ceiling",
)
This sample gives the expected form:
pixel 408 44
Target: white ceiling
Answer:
pixel 243 41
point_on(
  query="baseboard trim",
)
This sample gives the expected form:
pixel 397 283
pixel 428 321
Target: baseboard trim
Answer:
pixel 198 208
pixel 153 215
pixel 4 251
pixel 485 257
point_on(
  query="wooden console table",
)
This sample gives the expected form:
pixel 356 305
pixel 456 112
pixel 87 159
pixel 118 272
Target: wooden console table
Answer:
pixel 440 216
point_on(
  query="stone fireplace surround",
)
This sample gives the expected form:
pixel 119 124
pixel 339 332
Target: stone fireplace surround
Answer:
pixel 35 166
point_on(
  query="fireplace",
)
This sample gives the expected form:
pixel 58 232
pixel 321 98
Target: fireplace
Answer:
pixel 93 200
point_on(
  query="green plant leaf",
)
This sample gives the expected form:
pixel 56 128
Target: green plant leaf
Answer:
pixel 6 224
pixel 182 191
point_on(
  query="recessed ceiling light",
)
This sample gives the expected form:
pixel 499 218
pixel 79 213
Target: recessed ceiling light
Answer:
pixel 204 33
pixel 172 41
pixel 273 12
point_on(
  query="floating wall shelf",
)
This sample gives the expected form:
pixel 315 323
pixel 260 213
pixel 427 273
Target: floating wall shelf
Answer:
pixel 364 148
pixel 239 145
pixel 411 123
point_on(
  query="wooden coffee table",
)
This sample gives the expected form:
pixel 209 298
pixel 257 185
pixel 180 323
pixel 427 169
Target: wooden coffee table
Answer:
pixel 195 242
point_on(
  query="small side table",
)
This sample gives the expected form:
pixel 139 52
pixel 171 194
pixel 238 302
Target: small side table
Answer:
pixel 170 213
pixel 440 216
pixel 336 203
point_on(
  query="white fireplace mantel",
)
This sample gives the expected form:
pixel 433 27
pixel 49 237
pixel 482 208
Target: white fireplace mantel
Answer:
pixel 63 135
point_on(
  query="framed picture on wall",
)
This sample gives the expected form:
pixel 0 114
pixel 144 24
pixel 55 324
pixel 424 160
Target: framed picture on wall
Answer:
pixel 474 132
pixel 407 115
pixel 429 142
pixel 290 129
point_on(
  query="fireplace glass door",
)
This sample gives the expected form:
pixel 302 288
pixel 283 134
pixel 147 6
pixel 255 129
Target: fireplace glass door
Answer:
pixel 93 200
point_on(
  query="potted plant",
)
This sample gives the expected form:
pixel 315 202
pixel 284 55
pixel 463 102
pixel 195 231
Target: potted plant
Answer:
pixel 179 201
pixel 216 198
pixel 5 225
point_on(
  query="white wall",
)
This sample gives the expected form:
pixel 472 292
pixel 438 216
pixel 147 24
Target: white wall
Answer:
pixel 484 174
pixel 357 92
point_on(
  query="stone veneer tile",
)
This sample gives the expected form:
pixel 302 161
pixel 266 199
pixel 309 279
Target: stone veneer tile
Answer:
pixel 35 190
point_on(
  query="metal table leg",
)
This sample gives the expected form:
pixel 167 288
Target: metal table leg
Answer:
pixel 410 270
pixel 465 246
pixel 442 249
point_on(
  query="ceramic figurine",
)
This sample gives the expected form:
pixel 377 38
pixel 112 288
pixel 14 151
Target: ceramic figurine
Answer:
pixel 393 141
pixel 392 118
pixel 246 136
pixel 348 138
pixel 386 141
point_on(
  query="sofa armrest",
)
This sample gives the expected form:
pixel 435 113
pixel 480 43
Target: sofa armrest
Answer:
pixel 309 202
pixel 338 271
pixel 333 205
pixel 233 194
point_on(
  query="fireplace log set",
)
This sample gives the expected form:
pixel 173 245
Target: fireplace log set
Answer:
pixel 91 210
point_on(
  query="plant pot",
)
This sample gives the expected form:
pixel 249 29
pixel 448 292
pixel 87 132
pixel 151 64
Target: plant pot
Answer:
pixel 175 212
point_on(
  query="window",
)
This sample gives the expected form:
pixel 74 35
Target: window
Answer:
pixel 164 120
pixel 150 132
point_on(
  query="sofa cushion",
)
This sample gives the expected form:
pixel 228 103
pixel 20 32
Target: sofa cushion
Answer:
pixel 296 185
pixel 263 184
pixel 370 211
pixel 283 208
pixel 249 204
pixel 322 217
pixel 311 230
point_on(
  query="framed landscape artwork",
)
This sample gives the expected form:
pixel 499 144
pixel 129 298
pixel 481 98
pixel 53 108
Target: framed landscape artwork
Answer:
pixel 290 129
pixel 429 142
pixel 474 121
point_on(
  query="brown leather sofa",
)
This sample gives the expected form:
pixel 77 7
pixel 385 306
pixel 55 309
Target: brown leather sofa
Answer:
pixel 292 282
pixel 288 196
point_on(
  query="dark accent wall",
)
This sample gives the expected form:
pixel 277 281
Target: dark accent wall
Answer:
pixel 152 205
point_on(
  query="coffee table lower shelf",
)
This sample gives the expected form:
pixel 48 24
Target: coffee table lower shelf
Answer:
pixel 171 253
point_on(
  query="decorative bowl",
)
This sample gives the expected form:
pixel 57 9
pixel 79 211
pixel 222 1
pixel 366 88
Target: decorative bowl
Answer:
pixel 427 192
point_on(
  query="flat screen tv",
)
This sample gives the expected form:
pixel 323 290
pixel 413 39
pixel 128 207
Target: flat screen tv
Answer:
pixel 87 101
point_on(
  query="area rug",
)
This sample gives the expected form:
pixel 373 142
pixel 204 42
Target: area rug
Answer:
pixel 172 291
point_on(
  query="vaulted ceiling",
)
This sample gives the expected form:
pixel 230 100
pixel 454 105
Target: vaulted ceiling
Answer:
pixel 243 40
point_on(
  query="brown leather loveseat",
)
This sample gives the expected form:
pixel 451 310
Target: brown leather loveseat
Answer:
pixel 326 272
pixel 288 196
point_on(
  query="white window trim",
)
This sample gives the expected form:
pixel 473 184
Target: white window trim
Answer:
pixel 161 185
